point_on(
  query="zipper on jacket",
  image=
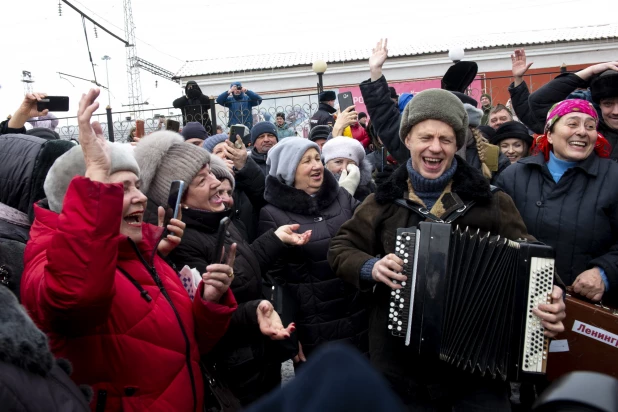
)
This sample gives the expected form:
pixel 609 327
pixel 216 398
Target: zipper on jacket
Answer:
pixel 157 279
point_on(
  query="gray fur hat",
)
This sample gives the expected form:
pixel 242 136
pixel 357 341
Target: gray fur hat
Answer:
pixel 72 164
pixel 284 157
pixel 435 104
pixel 163 157
pixel 220 170
pixel 474 115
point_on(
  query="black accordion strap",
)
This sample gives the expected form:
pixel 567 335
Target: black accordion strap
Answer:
pixel 426 214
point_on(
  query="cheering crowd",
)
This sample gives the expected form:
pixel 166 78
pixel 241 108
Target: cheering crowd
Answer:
pixel 150 311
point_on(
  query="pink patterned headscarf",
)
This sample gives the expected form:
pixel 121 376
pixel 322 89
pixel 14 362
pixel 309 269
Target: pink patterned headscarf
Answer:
pixel 540 145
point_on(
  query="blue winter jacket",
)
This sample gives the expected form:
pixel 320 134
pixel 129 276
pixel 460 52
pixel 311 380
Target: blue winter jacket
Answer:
pixel 240 107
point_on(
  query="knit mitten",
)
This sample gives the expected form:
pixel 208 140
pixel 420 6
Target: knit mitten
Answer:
pixel 350 179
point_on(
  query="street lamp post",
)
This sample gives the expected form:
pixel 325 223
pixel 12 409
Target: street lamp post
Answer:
pixel 107 58
pixel 319 67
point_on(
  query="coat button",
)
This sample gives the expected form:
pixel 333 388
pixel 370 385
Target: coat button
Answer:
pixel 539 203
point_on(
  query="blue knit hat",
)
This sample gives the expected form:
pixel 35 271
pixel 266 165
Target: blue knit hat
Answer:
pixel 284 157
pixel 212 141
pixel 261 128
pixel 194 130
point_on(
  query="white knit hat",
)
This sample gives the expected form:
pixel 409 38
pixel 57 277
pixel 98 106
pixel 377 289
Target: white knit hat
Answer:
pixel 284 157
pixel 344 147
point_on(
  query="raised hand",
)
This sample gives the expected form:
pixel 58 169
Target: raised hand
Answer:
pixel 176 229
pixel 591 71
pixel 236 152
pixel 270 322
pixel 344 119
pixel 287 235
pixel 377 59
pixel 91 138
pixel 26 110
pixel 519 65
pixel 219 277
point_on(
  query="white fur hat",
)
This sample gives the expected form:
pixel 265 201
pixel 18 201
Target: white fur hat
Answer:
pixel 72 164
pixel 344 147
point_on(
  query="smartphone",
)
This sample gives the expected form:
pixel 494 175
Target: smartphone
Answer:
pixel 219 251
pixel 173 201
pixel 172 125
pixel 240 131
pixel 345 100
pixel 383 156
pixel 53 104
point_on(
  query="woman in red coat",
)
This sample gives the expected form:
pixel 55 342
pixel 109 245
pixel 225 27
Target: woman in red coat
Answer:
pixel 94 282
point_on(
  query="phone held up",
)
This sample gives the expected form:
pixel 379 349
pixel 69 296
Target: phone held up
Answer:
pixel 173 201
pixel 240 131
pixel 221 232
pixel 345 100
pixel 53 104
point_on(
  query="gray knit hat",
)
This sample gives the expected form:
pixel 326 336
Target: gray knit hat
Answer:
pixel 72 164
pixel 345 147
pixel 474 115
pixel 435 104
pixel 163 157
pixel 284 157
pixel 220 170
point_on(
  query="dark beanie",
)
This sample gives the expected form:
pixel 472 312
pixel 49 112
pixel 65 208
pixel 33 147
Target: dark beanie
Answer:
pixel 512 130
pixel 319 132
pixel 194 130
pixel 261 128
pixel 487 131
pixel 604 86
pixel 327 96
pixel 361 115
pixel 466 99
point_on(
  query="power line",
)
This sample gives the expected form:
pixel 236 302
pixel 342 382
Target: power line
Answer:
pixel 89 53
pixel 119 28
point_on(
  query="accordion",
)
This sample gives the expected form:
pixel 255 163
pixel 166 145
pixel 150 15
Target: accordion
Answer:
pixel 468 300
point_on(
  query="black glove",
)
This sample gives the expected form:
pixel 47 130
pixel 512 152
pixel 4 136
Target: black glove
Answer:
pixel 381 177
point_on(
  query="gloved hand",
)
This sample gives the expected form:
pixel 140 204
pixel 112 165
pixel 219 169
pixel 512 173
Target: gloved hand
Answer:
pixel 381 177
pixel 350 179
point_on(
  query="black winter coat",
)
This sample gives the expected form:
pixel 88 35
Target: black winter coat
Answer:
pixel 195 109
pixel 30 378
pixel 328 308
pixel 260 160
pixel 247 360
pixel 578 216
pixel 324 115
pixel 249 197
pixel 559 89
pixel 519 100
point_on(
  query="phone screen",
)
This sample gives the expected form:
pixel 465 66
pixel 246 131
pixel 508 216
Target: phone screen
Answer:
pixel 53 104
pixel 173 201
pixel 345 100
pixel 240 131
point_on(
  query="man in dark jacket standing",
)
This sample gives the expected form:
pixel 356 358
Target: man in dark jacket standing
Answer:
pixel 239 101
pixel 324 115
pixel 195 107
pixel 486 107
pixel 263 138
pixel 433 128
pixel 603 82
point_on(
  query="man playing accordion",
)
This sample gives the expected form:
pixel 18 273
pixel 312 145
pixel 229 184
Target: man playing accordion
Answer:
pixel 438 183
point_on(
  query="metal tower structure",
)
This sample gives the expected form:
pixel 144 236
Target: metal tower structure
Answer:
pixel 133 78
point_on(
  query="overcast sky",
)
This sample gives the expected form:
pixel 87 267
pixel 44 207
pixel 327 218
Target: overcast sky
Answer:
pixel 35 38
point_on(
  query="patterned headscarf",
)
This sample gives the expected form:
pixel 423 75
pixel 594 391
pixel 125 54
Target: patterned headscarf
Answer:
pixel 542 145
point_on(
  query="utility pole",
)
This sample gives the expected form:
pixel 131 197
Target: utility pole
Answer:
pixel 107 58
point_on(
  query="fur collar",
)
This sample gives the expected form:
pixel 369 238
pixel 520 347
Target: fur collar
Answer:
pixel 467 182
pixel 327 108
pixel 21 343
pixel 366 168
pixel 293 200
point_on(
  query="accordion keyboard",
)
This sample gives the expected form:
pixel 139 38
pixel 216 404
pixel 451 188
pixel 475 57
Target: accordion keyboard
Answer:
pixel 540 288
pixel 400 299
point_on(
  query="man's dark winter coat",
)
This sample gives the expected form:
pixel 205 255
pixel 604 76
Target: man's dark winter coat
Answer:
pixel 249 361
pixel 324 115
pixel 30 378
pixel 249 197
pixel 559 89
pixel 260 159
pixel 578 216
pixel 371 233
pixel 195 107
pixel 519 100
pixel 329 309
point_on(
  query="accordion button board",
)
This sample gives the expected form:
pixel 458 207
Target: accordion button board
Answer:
pixel 400 312
pixel 536 345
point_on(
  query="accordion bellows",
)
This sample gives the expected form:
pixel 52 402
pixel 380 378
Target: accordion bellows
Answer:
pixel 468 299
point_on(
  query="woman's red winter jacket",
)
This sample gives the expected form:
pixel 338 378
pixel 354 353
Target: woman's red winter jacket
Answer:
pixel 135 339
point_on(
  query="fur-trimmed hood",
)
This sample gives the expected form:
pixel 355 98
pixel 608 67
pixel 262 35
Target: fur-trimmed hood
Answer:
pixel 21 343
pixel 365 168
pixel 468 183
pixel 293 200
